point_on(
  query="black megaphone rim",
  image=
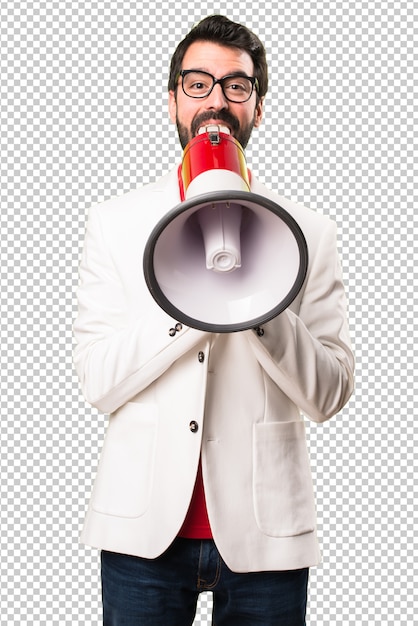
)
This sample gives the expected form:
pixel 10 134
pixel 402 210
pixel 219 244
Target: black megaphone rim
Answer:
pixel 213 197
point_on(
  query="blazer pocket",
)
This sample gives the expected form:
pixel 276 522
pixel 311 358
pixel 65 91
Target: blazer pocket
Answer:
pixel 283 492
pixel 126 469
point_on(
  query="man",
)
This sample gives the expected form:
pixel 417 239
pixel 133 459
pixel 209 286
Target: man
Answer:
pixel 204 480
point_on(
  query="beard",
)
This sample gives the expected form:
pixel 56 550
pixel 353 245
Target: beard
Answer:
pixel 241 134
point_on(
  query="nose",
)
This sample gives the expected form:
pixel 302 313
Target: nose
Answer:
pixel 216 99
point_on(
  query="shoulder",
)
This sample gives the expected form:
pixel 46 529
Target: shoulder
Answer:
pixel 309 221
pixel 167 185
pixel 135 212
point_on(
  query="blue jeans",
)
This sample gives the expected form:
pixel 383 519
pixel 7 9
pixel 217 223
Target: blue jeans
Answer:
pixel 164 591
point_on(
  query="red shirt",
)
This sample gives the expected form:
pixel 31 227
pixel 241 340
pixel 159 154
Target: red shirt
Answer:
pixel 196 525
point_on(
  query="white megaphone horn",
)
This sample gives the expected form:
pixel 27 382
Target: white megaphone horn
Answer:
pixel 225 259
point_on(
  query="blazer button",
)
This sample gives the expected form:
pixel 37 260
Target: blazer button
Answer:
pixel 194 426
pixel 201 357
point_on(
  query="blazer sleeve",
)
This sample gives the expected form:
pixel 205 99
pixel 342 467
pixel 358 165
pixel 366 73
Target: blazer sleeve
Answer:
pixel 120 348
pixel 308 355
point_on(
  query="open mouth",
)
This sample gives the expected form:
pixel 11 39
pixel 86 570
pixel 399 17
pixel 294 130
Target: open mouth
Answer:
pixel 213 127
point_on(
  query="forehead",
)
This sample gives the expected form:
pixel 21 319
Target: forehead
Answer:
pixel 217 59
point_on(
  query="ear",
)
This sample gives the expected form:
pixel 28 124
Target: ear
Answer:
pixel 258 114
pixel 172 106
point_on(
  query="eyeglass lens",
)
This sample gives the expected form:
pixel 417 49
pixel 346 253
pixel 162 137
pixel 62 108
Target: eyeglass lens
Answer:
pixel 235 88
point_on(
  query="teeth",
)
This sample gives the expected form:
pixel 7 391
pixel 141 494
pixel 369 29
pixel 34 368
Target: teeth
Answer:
pixel 211 128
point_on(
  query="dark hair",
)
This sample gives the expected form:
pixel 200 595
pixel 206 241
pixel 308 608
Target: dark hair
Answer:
pixel 219 29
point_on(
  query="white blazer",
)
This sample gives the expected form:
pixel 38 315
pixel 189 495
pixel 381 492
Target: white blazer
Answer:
pixel 243 392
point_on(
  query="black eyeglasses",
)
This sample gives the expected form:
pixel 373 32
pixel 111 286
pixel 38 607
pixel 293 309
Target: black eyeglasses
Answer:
pixel 235 87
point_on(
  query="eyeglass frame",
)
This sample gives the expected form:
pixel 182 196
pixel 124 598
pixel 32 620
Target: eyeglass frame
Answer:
pixel 253 80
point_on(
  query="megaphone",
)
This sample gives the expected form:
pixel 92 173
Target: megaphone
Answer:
pixel 224 259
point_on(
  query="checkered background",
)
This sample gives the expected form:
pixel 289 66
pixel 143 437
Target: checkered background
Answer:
pixel 84 117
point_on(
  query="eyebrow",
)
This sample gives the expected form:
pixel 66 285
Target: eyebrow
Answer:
pixel 232 73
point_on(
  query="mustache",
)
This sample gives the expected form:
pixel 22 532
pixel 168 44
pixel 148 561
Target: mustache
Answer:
pixel 219 116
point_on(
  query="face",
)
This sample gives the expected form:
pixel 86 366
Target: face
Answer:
pixel 191 113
